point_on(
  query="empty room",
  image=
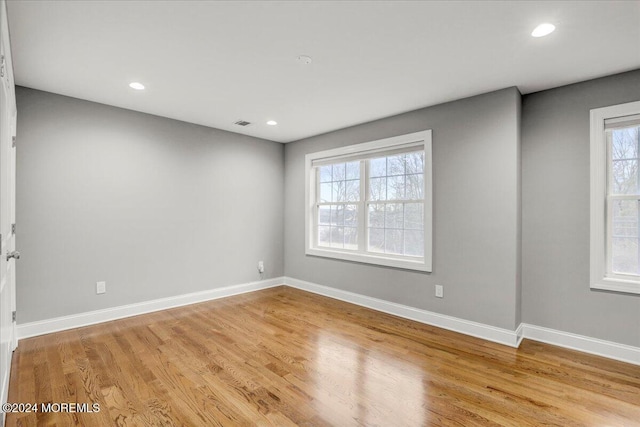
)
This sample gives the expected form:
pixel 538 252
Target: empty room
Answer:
pixel 319 213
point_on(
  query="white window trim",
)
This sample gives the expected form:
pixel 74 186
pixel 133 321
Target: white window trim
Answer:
pixel 599 279
pixel 423 139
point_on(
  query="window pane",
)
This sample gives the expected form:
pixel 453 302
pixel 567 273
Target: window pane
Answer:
pixel 625 255
pixel 413 216
pixel 351 238
pixel 395 187
pixel 337 237
pixel 326 192
pixel 325 173
pixel 624 177
pixel 338 172
pixel 625 143
pixel 351 215
pixel 376 240
pixel 324 236
pixel 378 167
pixel 393 241
pixel 353 170
pixel 624 237
pixel 324 215
pixel 414 243
pixel 352 190
pixel 414 163
pixel 376 215
pixel 625 218
pixel 395 165
pixel 415 185
pixel 393 217
pixel 337 215
pixel 387 222
pixel 378 189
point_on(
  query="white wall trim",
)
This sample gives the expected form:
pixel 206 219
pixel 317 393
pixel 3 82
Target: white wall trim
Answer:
pixel 608 349
pixel 42 327
pixel 519 334
pixel 467 327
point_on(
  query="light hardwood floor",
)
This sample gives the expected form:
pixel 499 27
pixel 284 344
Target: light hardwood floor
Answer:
pixel 286 357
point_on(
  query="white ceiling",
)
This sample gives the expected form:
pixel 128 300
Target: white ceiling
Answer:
pixel 213 63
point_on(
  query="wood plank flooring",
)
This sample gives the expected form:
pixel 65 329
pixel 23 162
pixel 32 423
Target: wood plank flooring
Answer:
pixel 285 357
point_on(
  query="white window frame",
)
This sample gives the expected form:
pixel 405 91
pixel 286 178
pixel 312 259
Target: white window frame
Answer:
pixel 600 275
pixel 422 141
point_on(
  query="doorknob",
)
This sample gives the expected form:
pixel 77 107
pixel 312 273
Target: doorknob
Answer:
pixel 14 254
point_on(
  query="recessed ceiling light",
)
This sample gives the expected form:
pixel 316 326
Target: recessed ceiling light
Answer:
pixel 136 86
pixel 543 30
pixel 272 123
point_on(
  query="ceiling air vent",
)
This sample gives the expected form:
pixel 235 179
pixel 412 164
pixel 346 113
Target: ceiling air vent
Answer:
pixel 242 123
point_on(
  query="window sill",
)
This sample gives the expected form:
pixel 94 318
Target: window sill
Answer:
pixel 617 285
pixel 379 260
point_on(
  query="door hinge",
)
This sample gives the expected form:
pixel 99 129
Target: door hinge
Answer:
pixel 13 316
pixel 13 141
pixel 13 229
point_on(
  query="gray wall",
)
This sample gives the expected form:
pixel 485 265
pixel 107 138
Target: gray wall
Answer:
pixel 555 213
pixel 476 204
pixel 158 207
pixel 153 206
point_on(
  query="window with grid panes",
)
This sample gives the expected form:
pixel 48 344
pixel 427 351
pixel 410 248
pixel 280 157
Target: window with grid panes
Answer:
pixel 371 202
pixel 615 198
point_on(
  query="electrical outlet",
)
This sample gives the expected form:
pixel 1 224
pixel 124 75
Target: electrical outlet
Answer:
pixel 439 291
pixel 260 267
pixel 101 287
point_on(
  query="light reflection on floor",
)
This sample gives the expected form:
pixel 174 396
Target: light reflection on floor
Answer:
pixel 365 385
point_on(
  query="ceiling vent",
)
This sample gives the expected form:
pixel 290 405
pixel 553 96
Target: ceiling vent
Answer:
pixel 242 123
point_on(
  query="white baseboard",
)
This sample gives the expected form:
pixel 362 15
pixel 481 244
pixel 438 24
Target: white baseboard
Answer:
pixel 467 327
pixel 519 334
pixel 609 349
pixel 42 327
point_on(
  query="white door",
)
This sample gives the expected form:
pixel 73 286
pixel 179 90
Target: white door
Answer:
pixel 8 340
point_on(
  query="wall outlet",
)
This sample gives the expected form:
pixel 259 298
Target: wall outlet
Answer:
pixel 101 287
pixel 260 267
pixel 439 291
